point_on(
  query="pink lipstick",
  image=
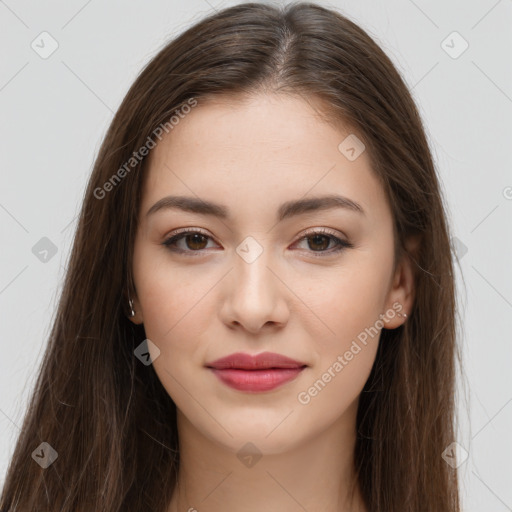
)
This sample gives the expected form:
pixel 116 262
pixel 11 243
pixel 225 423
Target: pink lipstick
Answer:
pixel 262 372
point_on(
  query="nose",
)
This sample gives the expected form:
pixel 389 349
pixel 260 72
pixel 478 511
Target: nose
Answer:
pixel 255 296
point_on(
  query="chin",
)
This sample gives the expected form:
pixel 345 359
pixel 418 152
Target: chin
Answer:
pixel 262 434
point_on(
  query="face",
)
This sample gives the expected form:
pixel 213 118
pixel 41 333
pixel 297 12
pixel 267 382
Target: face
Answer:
pixel 315 285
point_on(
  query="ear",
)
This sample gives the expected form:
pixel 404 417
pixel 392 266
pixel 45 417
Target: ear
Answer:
pixel 400 297
pixel 135 304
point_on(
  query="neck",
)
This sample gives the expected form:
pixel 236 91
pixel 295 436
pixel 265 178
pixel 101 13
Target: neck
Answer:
pixel 315 475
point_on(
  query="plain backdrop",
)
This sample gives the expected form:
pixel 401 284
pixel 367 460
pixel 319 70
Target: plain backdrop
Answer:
pixel 54 111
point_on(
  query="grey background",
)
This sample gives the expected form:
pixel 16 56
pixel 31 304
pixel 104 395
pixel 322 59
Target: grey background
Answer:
pixel 55 111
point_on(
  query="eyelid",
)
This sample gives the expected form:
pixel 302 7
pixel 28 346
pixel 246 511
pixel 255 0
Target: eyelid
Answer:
pixel 327 231
pixel 188 230
pixel 322 231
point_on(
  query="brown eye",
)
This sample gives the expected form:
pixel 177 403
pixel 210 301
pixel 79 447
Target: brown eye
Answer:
pixel 194 241
pixel 318 242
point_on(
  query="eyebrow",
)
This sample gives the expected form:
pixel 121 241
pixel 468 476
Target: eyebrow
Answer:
pixel 286 210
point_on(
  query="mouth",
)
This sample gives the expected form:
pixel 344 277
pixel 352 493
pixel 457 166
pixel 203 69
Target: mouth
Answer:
pixel 263 372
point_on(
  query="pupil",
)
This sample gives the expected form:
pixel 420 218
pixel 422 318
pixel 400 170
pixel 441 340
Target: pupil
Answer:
pixel 316 237
pixel 196 240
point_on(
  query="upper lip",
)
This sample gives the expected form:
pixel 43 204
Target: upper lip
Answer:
pixel 265 360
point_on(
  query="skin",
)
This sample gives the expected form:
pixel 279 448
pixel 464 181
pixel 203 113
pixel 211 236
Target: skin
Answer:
pixel 252 156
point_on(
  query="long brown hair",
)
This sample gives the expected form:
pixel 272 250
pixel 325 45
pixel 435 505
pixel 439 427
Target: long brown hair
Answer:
pixel 107 415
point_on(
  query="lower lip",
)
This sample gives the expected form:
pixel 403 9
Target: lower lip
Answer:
pixel 256 380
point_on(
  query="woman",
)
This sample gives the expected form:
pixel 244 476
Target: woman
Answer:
pixel 259 309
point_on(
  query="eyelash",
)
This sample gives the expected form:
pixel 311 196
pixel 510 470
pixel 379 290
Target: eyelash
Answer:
pixel 341 244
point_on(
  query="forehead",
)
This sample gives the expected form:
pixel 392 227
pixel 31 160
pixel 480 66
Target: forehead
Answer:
pixel 258 151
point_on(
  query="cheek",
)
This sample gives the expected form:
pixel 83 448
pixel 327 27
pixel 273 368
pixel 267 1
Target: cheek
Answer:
pixel 353 297
pixel 176 309
pixel 174 301
pixel 355 302
pixel 350 306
